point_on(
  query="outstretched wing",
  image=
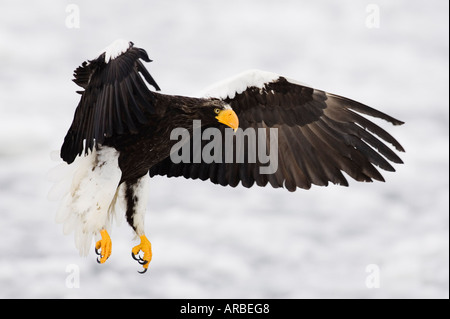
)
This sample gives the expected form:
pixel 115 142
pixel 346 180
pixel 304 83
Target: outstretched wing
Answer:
pixel 319 136
pixel 115 99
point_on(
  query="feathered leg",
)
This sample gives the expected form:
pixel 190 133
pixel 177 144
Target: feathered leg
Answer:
pixel 88 189
pixel 136 201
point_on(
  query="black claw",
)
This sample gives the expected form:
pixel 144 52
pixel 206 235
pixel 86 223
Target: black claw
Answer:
pixel 139 259
pixel 97 252
pixel 144 271
pixel 142 262
pixel 134 257
pixel 98 260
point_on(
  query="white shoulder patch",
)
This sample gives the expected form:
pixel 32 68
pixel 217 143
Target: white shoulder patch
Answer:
pixel 297 82
pixel 115 49
pixel 239 83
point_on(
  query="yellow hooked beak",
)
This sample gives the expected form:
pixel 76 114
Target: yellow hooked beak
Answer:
pixel 229 118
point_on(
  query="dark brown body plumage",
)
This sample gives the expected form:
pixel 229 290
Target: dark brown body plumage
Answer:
pixel 152 144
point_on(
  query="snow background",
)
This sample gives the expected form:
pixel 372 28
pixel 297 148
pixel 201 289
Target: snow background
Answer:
pixel 214 242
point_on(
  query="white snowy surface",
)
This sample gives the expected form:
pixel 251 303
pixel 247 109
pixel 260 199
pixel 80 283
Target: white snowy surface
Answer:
pixel 209 241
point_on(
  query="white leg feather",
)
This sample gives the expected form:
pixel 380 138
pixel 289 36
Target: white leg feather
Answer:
pixel 89 191
pixel 140 194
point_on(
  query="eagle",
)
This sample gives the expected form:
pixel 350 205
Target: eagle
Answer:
pixel 124 132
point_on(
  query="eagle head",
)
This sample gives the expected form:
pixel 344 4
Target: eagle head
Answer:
pixel 227 116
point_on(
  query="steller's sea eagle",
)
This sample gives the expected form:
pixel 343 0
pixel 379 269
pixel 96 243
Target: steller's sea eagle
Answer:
pixel 122 133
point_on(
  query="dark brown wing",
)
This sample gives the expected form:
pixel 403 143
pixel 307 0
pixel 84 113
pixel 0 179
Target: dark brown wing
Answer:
pixel 319 136
pixel 115 100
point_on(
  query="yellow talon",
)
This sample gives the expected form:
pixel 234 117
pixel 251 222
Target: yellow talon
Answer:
pixel 105 247
pixel 146 248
